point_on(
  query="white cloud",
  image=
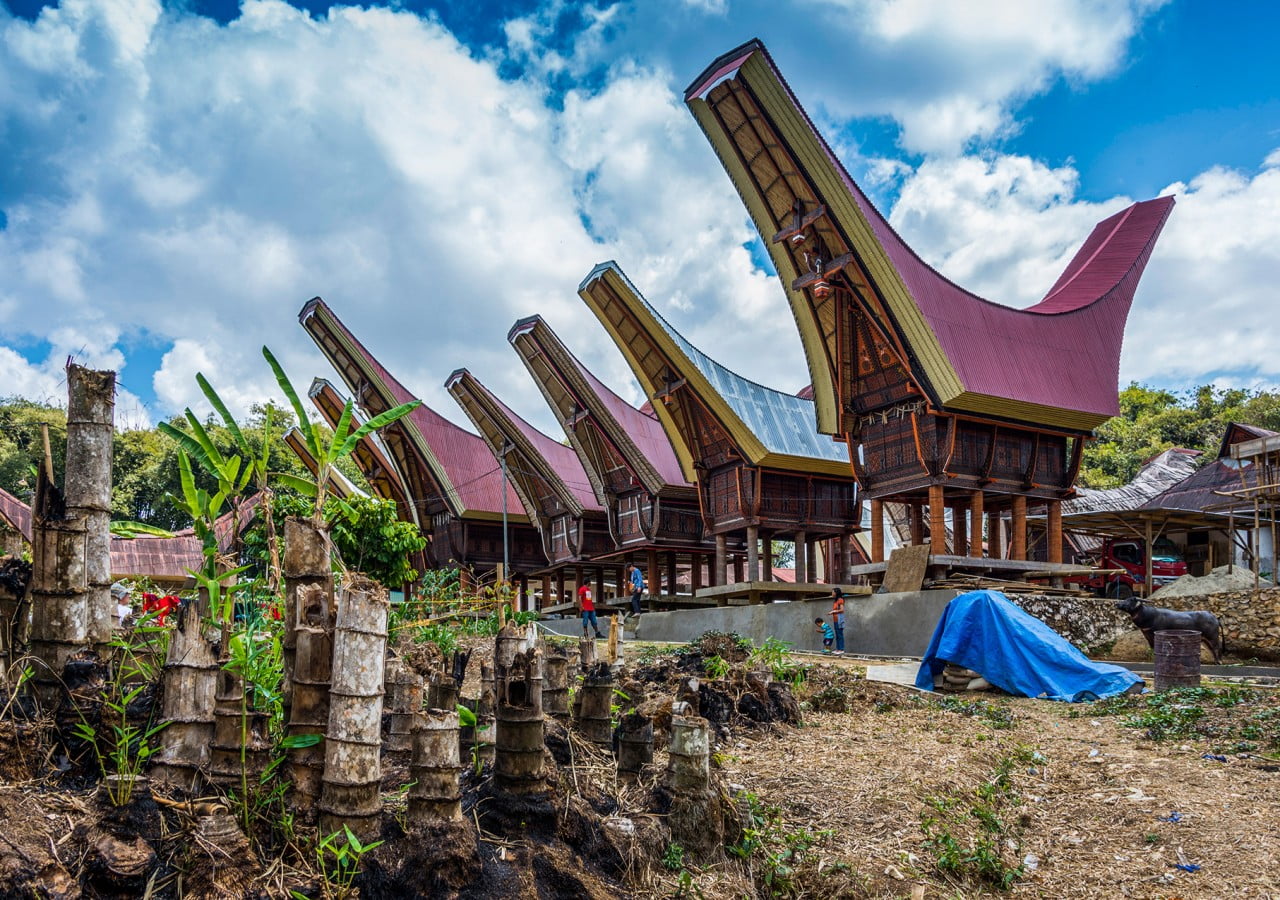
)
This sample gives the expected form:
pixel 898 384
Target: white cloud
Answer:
pixel 948 72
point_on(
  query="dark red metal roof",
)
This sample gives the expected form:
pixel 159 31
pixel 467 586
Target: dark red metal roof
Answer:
pixel 465 457
pixel 16 513
pixel 1063 352
pixel 641 425
pixel 560 458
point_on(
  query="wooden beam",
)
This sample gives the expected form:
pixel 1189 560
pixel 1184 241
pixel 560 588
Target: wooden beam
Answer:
pixel 916 517
pixel 995 536
pixel 802 558
pixel 959 529
pixel 671 573
pixel 718 570
pixel 655 574
pixel 753 553
pixel 975 523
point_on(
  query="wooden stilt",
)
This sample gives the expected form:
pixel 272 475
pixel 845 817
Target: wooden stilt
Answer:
pixel 1055 531
pixel 877 531
pixel 1018 539
pixel 937 520
pixel 975 523
pixel 718 570
pixel 753 553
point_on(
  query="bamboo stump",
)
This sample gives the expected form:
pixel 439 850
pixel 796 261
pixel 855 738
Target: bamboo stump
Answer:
pixel 518 759
pixel 352 768
pixel 59 600
pixel 91 403
pixel 436 792
pixel 695 818
pixel 404 702
pixel 594 711
pixel 241 746
pixel 442 691
pixel 586 653
pixel 189 681
pixel 555 684
pixel 635 743
pixel 308 652
pixel 486 730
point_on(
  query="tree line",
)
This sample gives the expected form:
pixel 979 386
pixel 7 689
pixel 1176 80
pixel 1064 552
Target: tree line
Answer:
pixel 146 472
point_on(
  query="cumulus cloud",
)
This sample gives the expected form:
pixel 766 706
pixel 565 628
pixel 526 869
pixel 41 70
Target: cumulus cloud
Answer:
pixel 199 182
pixel 949 73
pixel 167 176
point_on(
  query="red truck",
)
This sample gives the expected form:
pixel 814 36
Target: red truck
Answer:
pixel 1128 556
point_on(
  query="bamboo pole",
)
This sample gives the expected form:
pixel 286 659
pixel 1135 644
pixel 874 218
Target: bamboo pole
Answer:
pixel 91 403
pixel 486 731
pixel 189 686
pixel 308 651
pixel 352 768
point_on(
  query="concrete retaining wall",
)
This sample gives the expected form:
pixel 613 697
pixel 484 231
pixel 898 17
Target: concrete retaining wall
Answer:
pixel 878 625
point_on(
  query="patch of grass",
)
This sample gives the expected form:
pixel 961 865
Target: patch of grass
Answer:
pixel 782 859
pixel 978 853
pixel 996 715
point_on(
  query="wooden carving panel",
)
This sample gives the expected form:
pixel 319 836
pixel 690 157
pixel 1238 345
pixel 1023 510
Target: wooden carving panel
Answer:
pixel 872 375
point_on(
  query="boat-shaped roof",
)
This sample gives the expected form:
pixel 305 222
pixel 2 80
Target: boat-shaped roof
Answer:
pixel 540 455
pixel 1055 363
pixel 636 435
pixel 460 468
pixel 771 427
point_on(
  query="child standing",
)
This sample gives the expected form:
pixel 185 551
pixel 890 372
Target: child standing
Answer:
pixel 837 618
pixel 824 628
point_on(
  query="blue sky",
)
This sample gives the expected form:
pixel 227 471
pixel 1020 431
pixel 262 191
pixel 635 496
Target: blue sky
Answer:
pixel 175 181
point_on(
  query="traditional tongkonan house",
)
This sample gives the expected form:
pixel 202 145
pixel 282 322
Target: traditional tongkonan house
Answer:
pixel 762 471
pixel 945 399
pixel 448 472
pixel 652 508
pixel 550 480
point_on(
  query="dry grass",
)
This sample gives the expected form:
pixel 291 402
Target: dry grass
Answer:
pixel 1089 812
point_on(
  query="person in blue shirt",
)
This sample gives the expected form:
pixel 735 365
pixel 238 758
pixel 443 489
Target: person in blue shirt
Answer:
pixel 828 635
pixel 637 588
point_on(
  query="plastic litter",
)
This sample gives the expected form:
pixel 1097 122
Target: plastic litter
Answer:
pixel 1216 757
pixel 1030 862
pixel 1174 817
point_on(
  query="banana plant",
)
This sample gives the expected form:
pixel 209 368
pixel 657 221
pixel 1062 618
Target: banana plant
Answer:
pixel 328 449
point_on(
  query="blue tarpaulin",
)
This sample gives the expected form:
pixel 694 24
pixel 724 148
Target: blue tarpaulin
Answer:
pixel 1016 652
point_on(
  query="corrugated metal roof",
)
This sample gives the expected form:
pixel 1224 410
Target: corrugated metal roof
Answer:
pixel 1157 475
pixel 1197 491
pixel 1023 363
pixel 783 423
pixel 16 513
pixel 640 425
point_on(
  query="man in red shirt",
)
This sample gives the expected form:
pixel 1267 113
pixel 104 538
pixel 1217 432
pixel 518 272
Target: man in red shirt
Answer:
pixel 587 606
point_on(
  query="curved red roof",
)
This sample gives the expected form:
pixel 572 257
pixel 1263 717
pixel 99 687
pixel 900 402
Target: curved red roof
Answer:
pixel 1061 354
pixel 561 459
pixel 464 456
pixel 640 425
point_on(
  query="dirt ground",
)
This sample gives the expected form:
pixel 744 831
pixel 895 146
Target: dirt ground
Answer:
pixel 1092 808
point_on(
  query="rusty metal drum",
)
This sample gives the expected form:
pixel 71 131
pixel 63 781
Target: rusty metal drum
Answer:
pixel 1177 654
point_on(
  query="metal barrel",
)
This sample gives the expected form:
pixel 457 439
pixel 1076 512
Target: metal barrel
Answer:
pixel 1177 659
